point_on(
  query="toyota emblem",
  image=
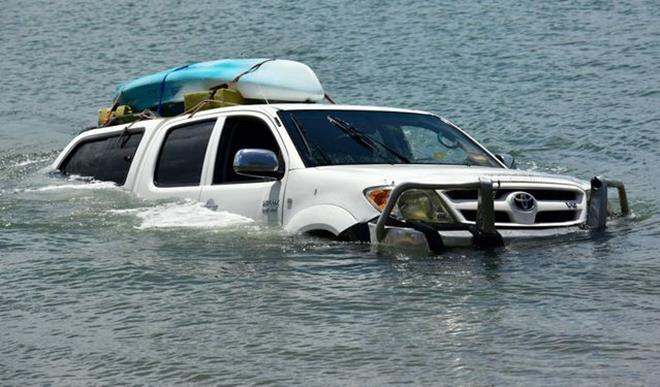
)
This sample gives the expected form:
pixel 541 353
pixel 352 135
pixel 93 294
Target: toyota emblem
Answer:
pixel 524 201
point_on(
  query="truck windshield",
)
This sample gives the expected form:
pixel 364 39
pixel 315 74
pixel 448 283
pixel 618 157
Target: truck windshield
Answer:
pixel 338 137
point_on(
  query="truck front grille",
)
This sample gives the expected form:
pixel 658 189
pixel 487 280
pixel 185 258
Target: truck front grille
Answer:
pixel 554 206
pixel 555 216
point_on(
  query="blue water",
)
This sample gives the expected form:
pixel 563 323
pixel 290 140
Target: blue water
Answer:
pixel 96 287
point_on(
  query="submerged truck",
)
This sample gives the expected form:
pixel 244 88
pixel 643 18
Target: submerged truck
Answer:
pixel 388 176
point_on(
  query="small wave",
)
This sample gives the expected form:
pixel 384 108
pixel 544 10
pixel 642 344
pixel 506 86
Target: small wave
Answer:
pixel 188 214
pixel 29 162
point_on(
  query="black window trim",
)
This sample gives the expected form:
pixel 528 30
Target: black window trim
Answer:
pixel 198 120
pixel 101 137
pixel 283 115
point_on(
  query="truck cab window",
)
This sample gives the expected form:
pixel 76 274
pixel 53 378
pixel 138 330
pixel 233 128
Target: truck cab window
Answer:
pixel 242 132
pixel 182 154
pixel 103 158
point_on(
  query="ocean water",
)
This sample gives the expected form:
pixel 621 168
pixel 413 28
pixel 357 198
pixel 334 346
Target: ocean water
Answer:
pixel 100 287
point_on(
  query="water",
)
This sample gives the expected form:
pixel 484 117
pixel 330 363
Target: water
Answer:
pixel 96 288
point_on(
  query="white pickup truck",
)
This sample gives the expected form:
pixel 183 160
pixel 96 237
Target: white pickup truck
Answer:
pixel 388 176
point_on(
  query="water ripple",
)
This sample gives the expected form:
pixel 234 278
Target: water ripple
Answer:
pixel 93 290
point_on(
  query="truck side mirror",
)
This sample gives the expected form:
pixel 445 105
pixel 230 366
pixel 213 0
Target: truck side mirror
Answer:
pixel 254 162
pixel 507 159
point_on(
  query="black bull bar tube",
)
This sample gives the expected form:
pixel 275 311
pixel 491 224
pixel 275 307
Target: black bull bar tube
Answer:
pixel 484 232
pixel 597 215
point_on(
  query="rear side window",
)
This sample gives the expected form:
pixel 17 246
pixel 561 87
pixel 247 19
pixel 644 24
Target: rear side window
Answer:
pixel 106 158
pixel 181 157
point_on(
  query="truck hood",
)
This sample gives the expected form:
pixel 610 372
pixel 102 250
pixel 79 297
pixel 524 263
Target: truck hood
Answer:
pixel 455 174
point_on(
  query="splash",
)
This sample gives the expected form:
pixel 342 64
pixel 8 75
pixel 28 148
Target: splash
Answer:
pixel 531 165
pixel 187 214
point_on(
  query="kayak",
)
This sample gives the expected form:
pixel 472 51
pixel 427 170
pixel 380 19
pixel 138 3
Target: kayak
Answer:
pixel 257 79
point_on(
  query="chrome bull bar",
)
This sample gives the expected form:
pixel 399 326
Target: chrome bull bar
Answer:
pixel 597 215
pixel 485 234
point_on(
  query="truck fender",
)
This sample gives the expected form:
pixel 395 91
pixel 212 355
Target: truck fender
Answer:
pixel 323 217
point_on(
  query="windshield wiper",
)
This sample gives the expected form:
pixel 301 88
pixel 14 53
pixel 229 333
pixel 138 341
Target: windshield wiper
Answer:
pixel 303 136
pixel 363 139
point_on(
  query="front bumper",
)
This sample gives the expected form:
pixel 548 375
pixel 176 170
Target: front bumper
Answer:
pixel 483 234
pixel 407 237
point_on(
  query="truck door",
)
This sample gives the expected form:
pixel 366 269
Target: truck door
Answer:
pixel 174 166
pixel 256 198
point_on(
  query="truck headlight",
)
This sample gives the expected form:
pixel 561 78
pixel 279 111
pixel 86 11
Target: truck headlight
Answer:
pixel 414 205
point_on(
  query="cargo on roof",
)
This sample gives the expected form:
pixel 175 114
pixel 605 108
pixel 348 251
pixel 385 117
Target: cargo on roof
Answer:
pixel 173 91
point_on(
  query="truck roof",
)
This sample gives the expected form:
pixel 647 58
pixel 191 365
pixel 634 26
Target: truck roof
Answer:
pixel 270 109
pixel 274 107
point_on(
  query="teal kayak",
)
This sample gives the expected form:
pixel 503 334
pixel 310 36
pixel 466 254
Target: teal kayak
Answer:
pixel 257 79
